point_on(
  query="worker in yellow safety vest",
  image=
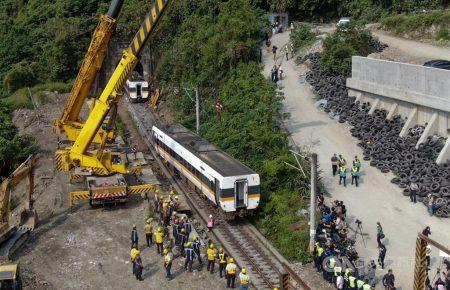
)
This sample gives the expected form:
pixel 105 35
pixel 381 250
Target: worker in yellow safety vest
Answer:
pixel 159 240
pixel 329 272
pixel 337 271
pixel 359 284
pixel 230 272
pixel 351 282
pixel 366 286
pixel 222 257
pixel 355 175
pixel 149 233
pixel 244 279
pixel 133 253
pixel 211 257
pixel 342 175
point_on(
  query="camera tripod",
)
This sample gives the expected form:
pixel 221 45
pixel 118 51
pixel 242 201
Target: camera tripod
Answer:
pixel 359 231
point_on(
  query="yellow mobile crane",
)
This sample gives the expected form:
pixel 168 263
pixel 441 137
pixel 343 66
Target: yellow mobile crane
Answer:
pixel 69 122
pixel 105 164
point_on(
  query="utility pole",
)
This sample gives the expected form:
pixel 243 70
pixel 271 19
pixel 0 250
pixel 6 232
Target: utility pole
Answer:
pixel 312 206
pixel 197 110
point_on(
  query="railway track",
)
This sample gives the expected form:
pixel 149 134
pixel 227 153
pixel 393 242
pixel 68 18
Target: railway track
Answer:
pixel 237 238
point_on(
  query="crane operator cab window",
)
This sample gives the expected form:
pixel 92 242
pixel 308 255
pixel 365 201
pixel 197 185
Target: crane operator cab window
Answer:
pixel 116 159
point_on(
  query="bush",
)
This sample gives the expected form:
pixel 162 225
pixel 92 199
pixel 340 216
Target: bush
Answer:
pixel 302 36
pixel 19 76
pixel 348 40
pixel 21 97
pixel 433 25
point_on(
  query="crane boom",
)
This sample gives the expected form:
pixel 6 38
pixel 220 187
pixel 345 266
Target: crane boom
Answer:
pixel 104 162
pixel 69 121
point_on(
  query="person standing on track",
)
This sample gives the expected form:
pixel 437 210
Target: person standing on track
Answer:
pixel 334 164
pixel 133 253
pixel 389 280
pixel 230 271
pixel 274 52
pixel 357 163
pixel 355 174
pixel 139 267
pixel 210 223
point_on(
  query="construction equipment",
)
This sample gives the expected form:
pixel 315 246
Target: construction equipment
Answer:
pixel 10 276
pixel 98 162
pixel 420 267
pixel 104 161
pixel 12 237
pixel 70 122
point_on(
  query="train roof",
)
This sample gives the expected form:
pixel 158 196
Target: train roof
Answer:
pixel 216 158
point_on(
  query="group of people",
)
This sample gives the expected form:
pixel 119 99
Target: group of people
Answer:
pixel 335 254
pixel 339 166
pixel 276 73
pixel 185 246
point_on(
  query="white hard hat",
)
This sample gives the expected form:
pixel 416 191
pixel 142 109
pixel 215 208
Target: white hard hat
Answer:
pixel 210 215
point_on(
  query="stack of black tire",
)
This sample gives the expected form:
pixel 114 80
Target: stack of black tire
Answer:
pixel 380 141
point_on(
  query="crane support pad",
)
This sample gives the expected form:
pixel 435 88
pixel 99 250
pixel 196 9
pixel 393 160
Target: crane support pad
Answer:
pixel 78 195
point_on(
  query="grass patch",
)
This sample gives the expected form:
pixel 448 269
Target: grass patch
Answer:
pixel 433 25
pixel 21 97
pixel 302 36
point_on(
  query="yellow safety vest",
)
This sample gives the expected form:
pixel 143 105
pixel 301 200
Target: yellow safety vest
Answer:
pixel 319 252
pixel 167 258
pixel 347 272
pixel 159 237
pixel 148 229
pixel 337 270
pixel 232 269
pixel 351 281
pixel 359 283
pixel 222 258
pixel 244 279
pixel 366 287
pixel 332 263
pixel 211 254
pixel 354 169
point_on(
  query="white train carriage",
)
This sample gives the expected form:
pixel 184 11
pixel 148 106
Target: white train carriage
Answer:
pixel 225 181
pixel 136 88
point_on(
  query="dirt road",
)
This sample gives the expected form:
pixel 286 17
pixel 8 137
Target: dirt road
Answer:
pixel 413 48
pixel 376 199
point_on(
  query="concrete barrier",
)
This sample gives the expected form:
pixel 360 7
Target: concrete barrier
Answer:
pixel 420 94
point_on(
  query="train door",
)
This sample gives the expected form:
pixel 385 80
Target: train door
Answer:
pixel 139 90
pixel 240 191
pixel 217 191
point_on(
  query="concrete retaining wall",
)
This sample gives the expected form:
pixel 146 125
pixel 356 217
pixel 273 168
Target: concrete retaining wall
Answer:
pixel 421 94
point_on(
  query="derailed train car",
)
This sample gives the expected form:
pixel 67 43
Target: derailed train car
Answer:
pixel 226 182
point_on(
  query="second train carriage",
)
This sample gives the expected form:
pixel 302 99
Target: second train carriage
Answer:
pixel 226 182
pixel 136 88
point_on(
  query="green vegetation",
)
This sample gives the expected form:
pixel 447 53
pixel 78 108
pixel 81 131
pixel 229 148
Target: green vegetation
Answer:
pixel 302 36
pixel 364 10
pixel 339 47
pixel 215 45
pixel 432 25
pixel 45 41
pixel 21 97
pixel 14 149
